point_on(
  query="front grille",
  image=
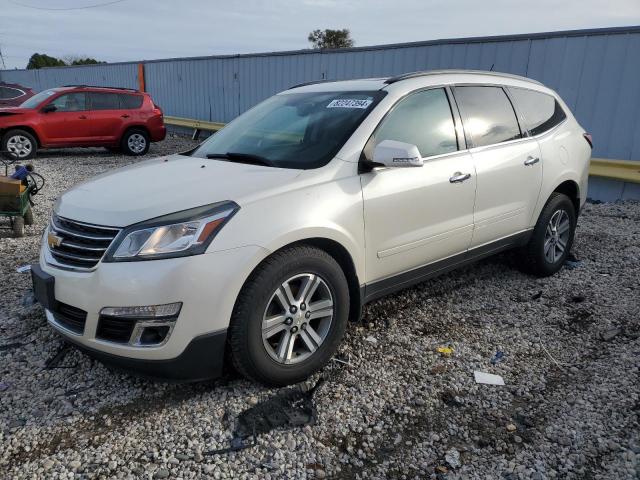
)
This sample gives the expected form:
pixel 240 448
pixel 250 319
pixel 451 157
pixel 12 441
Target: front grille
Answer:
pixel 114 329
pixel 81 245
pixel 69 317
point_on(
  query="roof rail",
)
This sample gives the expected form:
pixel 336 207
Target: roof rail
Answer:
pixel 304 84
pixel 424 73
pixel 101 86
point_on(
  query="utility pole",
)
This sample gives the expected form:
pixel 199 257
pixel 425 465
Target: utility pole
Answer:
pixel 2 60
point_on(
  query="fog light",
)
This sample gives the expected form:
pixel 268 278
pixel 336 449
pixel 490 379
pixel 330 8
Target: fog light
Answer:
pixel 146 311
pixel 148 326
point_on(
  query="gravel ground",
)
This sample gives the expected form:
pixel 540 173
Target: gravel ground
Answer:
pixel 392 408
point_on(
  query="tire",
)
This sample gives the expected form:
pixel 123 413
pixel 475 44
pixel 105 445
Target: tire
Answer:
pixel 28 216
pixel 264 359
pixel 18 227
pixel 135 142
pixel 21 143
pixel 549 245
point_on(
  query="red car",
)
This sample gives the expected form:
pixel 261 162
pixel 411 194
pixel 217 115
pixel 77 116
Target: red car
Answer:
pixel 82 116
pixel 12 95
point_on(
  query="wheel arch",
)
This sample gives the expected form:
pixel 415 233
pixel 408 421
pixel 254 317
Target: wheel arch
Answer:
pixel 341 255
pixel 128 128
pixel 26 128
pixel 571 189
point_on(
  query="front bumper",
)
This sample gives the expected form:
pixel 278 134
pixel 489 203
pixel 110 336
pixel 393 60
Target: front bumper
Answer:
pixel 207 285
pixel 203 359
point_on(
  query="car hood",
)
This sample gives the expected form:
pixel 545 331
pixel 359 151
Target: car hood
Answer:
pixel 166 185
pixel 4 111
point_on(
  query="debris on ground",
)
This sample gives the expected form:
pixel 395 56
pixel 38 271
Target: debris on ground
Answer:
pixel 610 334
pixel 23 269
pixel 511 427
pixel 371 339
pixel 488 378
pixel 4 386
pixel 571 262
pixel 445 351
pixel 497 357
pixel 29 299
pixel 452 457
pixel 536 295
pixel 56 360
pixel 289 408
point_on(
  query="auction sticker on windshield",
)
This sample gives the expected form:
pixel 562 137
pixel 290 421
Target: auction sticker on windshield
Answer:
pixel 349 103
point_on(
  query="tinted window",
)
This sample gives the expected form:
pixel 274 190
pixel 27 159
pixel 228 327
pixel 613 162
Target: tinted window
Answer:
pixel 104 101
pixel 541 112
pixel 129 102
pixel 70 102
pixel 422 119
pixel 9 93
pixel 487 115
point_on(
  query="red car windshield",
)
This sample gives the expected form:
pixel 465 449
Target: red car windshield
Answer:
pixel 37 99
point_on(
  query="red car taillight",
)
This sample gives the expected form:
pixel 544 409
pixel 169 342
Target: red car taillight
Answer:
pixel 589 139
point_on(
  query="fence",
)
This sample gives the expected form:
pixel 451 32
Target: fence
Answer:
pixel 595 71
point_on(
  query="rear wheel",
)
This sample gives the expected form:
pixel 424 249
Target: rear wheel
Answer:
pixel 28 216
pixel 289 317
pixel 20 144
pixel 552 237
pixel 135 142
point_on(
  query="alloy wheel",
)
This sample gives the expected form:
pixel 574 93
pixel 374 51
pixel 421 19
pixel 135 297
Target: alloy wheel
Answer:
pixel 297 319
pixel 556 236
pixel 19 145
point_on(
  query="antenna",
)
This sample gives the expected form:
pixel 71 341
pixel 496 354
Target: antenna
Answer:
pixel 492 65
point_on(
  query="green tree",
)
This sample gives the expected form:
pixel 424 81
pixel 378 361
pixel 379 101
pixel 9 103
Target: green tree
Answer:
pixel 79 60
pixel 40 60
pixel 331 38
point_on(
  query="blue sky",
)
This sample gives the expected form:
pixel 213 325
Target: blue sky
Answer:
pixel 147 29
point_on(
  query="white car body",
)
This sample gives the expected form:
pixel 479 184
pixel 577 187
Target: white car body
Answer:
pixel 391 224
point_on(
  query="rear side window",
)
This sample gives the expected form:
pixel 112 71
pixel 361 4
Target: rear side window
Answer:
pixel 8 93
pixel 487 114
pixel 104 101
pixel 423 119
pixel 541 112
pixel 129 102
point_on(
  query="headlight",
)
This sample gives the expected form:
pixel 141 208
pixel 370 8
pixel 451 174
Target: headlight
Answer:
pixel 184 233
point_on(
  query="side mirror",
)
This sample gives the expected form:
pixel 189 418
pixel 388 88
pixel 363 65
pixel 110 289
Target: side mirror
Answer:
pixel 391 153
pixel 49 108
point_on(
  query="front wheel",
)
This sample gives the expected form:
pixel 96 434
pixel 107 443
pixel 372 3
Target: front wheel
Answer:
pixel 135 142
pixel 20 144
pixel 289 317
pixel 552 237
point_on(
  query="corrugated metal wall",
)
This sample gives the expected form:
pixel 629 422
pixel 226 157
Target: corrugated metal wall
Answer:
pixel 595 71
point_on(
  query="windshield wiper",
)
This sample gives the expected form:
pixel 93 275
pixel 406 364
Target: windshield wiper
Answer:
pixel 243 158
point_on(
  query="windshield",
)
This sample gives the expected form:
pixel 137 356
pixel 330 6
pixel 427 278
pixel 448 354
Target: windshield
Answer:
pixel 296 130
pixel 37 99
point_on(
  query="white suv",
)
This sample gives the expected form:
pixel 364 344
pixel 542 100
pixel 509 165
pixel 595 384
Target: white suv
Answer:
pixel 259 245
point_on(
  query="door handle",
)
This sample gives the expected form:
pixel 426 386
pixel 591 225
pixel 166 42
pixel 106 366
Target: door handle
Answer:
pixel 124 116
pixel 82 117
pixel 531 161
pixel 459 177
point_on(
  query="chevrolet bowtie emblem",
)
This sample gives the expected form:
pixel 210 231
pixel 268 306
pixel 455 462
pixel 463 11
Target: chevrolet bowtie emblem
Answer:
pixel 53 240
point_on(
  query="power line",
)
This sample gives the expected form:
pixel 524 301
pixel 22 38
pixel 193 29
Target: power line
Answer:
pixel 68 8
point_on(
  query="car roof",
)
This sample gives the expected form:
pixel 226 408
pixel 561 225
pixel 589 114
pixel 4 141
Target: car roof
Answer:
pixel 417 79
pixel 97 88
